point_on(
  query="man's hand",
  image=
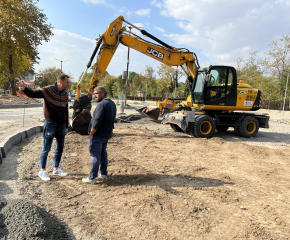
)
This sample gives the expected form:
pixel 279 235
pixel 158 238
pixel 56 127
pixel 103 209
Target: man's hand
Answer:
pixel 66 131
pixel 21 85
pixel 92 133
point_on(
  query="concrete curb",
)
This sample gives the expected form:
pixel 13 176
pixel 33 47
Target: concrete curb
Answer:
pixel 12 140
pixel 21 106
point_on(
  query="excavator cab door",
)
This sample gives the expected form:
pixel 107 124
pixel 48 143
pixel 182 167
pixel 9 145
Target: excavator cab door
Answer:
pixel 221 88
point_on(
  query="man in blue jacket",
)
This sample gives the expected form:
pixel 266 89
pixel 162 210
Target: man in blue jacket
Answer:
pixel 100 130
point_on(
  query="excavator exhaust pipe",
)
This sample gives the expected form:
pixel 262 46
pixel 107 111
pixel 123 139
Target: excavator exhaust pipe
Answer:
pixel 82 114
pixel 153 114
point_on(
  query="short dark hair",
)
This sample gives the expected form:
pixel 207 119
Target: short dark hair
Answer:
pixel 100 89
pixel 62 77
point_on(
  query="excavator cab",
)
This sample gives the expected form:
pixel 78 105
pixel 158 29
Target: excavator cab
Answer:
pixel 215 85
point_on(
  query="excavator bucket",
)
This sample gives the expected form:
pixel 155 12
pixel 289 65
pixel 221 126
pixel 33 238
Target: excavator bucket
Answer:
pixel 153 114
pixel 82 114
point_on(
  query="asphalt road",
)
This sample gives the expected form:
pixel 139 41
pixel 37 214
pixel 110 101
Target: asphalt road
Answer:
pixel 18 119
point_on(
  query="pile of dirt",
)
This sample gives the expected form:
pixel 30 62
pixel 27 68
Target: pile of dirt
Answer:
pixel 12 100
pixel 21 219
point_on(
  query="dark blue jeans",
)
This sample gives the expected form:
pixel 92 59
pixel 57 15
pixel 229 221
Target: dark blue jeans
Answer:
pixel 99 157
pixel 52 130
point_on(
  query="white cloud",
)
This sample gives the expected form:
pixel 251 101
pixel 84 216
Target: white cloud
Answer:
pixel 64 45
pixel 159 29
pixel 156 3
pixel 143 12
pixel 221 30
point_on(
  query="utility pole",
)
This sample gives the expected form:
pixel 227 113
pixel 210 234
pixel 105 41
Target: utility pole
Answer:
pixel 118 95
pixel 61 61
pixel 126 75
pixel 145 95
pixel 285 93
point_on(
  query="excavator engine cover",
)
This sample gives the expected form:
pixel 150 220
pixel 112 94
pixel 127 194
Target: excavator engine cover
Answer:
pixel 82 114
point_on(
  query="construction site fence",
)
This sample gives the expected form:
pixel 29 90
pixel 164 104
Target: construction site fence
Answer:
pixel 157 99
pixel 275 105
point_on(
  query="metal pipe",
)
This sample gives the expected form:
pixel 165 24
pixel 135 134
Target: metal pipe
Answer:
pixel 132 25
pixel 149 35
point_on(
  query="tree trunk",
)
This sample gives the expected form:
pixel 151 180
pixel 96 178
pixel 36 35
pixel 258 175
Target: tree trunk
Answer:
pixel 12 82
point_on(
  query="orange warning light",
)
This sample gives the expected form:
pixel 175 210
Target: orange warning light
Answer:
pixel 241 81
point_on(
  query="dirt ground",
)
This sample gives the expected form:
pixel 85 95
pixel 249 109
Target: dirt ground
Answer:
pixel 165 185
pixel 12 100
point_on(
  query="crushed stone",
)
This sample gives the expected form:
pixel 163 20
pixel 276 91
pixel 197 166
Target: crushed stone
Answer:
pixel 21 219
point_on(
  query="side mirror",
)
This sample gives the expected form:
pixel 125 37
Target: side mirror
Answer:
pixel 207 77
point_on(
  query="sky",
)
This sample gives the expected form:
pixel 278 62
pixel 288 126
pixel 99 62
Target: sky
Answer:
pixel 218 31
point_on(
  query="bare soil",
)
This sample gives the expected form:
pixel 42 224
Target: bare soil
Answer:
pixel 166 185
pixel 13 100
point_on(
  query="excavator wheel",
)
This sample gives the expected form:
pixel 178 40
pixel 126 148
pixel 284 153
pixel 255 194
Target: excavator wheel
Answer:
pixel 204 126
pixel 249 127
pixel 175 127
pixel 236 127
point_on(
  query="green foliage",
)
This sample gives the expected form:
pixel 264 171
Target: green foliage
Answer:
pixel 47 76
pixel 167 84
pixel 22 29
pixel 280 61
pixel 269 74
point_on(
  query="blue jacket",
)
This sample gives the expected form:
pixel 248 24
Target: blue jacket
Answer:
pixel 103 119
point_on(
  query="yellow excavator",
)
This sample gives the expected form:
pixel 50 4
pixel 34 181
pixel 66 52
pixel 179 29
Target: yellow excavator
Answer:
pixel 216 101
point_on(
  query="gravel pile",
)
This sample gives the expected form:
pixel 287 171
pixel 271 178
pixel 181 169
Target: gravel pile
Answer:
pixel 21 219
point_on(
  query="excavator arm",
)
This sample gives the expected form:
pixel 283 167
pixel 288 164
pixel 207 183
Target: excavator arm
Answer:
pixel 106 47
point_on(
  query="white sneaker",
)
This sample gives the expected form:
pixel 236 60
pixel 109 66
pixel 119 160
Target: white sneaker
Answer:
pixel 44 175
pixel 102 176
pixel 59 172
pixel 88 180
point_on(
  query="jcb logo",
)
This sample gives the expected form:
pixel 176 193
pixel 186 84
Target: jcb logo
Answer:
pixel 155 53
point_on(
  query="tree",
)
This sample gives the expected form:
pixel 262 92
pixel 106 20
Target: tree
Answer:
pixel 280 54
pixel 151 81
pixel 254 71
pixel 22 29
pixel 47 76
pixel 23 67
pixel 169 76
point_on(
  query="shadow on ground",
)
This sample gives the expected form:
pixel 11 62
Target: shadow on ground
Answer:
pixel 166 182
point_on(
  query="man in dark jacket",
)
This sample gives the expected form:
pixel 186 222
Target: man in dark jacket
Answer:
pixel 55 109
pixel 100 130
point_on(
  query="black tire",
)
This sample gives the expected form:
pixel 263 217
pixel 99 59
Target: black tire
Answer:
pixel 236 127
pixel 222 128
pixel 175 127
pixel 204 126
pixel 249 127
